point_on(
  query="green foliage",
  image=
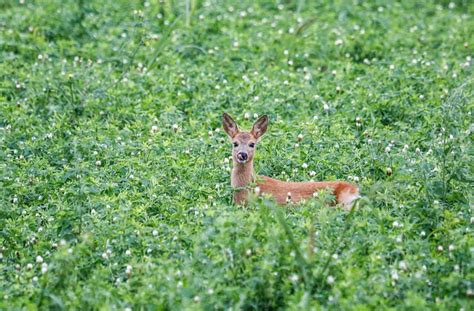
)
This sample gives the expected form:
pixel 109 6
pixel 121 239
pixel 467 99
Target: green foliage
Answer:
pixel 115 180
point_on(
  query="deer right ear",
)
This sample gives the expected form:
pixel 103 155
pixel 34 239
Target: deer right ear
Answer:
pixel 260 126
pixel 230 127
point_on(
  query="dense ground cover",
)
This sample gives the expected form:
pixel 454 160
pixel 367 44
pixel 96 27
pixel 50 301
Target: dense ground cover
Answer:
pixel 114 175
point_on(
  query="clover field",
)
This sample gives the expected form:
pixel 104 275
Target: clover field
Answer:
pixel 115 173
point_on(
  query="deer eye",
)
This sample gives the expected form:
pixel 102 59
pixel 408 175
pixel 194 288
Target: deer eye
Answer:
pixel 251 145
pixel 236 144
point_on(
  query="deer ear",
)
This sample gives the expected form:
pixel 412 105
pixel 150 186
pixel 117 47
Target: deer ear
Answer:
pixel 230 127
pixel 260 126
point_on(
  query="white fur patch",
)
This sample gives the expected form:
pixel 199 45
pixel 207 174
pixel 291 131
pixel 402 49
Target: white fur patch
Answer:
pixel 347 199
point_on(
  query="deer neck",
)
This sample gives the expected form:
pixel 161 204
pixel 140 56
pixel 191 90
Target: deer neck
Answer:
pixel 242 175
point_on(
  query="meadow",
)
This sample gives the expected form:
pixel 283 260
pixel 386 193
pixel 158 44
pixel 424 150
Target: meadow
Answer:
pixel 115 172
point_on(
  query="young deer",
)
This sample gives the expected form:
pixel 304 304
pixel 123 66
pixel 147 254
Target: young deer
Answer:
pixel 244 144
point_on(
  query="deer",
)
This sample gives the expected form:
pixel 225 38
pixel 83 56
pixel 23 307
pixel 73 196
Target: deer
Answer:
pixel 244 145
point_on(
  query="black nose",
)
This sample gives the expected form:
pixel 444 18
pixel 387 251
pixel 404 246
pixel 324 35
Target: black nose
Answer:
pixel 242 156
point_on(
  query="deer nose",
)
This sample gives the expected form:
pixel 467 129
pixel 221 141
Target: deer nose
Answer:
pixel 242 156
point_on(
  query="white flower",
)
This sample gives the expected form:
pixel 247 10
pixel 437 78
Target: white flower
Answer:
pixel 29 266
pixel 312 173
pixel 128 269
pixel 396 224
pixel 402 265
pixel 440 248
pixel 392 67
pixel 451 247
pixel 196 299
pixel 304 165
pixel 257 190
pixel 128 252
pixel 326 106
pixel 294 278
pixel 39 259
pixel 330 280
pixel 175 127
pixel 155 232
pixel 247 116
pixel 255 116
pixel 105 256
pixel 300 137
pixel 338 42
pixel 394 275
pixel 248 252
pixel 154 129
pixel 423 233
pixel 44 268
pixel 98 163
pixel 388 149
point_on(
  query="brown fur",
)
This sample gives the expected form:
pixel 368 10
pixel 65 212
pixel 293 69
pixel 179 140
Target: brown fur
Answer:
pixel 283 192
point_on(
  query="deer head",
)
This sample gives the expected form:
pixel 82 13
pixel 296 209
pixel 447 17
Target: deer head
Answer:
pixel 244 143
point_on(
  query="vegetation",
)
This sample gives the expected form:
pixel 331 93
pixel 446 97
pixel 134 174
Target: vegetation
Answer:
pixel 115 177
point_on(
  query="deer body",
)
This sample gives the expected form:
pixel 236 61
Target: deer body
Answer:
pixel 283 192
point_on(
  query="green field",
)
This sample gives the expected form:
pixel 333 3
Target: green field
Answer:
pixel 115 174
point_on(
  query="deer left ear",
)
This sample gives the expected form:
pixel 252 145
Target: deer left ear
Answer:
pixel 260 126
pixel 230 127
